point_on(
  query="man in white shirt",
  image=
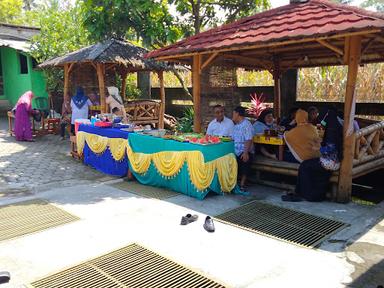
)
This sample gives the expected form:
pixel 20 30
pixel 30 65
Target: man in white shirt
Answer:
pixel 221 125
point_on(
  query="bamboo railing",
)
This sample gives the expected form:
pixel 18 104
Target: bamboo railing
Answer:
pixel 369 144
pixel 143 111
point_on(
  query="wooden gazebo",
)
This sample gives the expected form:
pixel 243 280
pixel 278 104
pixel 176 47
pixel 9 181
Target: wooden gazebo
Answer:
pixel 305 33
pixel 107 58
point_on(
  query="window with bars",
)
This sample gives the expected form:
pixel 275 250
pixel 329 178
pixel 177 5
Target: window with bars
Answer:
pixel 23 64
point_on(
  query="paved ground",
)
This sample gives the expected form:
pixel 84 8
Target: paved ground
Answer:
pixel 29 166
pixel 111 218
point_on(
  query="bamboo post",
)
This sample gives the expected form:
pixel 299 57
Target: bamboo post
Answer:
pixel 160 74
pixel 277 90
pixel 345 178
pixel 100 76
pixel 196 68
pixel 123 84
pixel 66 84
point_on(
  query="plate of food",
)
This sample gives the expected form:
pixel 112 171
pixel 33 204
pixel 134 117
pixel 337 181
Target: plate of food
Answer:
pixel 205 140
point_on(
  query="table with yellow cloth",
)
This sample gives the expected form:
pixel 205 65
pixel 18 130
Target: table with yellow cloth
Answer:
pixel 188 168
pixel 271 140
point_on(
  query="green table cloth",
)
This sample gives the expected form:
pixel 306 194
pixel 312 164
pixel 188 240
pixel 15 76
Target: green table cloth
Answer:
pixel 191 169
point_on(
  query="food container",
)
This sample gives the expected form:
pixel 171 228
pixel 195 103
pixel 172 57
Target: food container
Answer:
pixel 103 124
pixel 81 121
pixel 162 132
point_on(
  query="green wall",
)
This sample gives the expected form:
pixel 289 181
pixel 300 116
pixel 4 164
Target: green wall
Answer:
pixel 15 83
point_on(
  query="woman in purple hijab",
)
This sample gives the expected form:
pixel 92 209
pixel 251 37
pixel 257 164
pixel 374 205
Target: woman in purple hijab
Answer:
pixel 23 107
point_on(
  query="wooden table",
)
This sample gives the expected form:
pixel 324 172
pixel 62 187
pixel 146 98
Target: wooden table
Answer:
pixel 278 141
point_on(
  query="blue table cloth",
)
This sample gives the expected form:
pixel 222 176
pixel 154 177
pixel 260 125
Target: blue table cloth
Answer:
pixel 105 162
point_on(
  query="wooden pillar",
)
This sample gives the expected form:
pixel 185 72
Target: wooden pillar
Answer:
pixel 66 84
pixel 123 84
pixel 345 178
pixel 277 90
pixel 288 87
pixel 162 98
pixel 100 76
pixel 196 68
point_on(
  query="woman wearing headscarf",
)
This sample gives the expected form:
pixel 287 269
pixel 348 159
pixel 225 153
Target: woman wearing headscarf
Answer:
pixel 114 100
pixel 23 110
pixel 303 141
pixel 313 177
pixel 79 106
pixel 264 122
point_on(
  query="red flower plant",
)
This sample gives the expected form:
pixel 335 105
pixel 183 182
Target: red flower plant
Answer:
pixel 257 105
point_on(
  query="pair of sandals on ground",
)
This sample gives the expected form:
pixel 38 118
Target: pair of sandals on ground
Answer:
pixel 208 223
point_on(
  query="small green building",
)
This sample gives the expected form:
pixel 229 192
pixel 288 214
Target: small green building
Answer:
pixel 18 72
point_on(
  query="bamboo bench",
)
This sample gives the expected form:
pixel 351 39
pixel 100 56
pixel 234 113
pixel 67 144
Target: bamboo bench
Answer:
pixel 368 157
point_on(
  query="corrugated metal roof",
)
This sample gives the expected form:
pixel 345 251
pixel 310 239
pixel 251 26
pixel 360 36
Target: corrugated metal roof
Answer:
pixel 315 18
pixel 23 46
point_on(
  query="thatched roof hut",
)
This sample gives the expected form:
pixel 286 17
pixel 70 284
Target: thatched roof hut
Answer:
pixel 107 58
pixel 113 51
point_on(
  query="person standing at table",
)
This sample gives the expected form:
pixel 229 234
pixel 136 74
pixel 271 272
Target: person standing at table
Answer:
pixel 65 119
pixel 243 140
pixel 23 109
pixel 221 125
pixel 114 100
pixel 79 106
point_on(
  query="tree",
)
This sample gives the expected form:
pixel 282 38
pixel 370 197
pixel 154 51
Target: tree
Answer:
pixel 61 32
pixel 375 4
pixel 28 5
pixel 10 11
pixel 146 21
pixel 343 1
pixel 202 14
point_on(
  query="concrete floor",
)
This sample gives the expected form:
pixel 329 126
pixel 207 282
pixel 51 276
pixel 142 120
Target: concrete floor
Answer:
pixel 111 219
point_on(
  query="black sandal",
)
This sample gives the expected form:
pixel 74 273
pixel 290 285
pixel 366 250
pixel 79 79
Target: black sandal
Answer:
pixel 291 198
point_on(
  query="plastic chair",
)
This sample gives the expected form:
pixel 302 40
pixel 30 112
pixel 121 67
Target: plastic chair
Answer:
pixel 50 125
pixel 41 103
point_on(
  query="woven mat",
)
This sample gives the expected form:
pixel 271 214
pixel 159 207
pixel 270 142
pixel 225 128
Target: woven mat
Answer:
pixel 145 190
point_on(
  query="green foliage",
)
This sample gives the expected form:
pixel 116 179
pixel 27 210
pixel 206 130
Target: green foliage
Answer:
pixel 145 20
pixel 60 34
pixel 378 5
pixel 11 11
pixel 185 124
pixel 200 14
pixel 236 9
